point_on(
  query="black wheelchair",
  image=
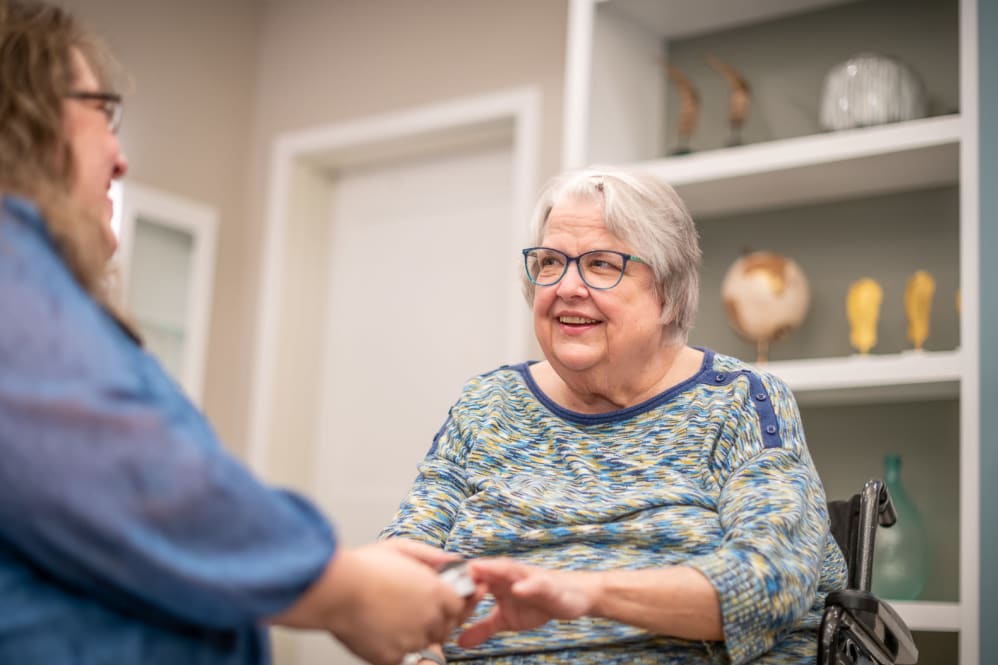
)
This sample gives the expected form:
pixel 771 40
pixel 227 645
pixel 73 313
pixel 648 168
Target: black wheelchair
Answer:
pixel 858 628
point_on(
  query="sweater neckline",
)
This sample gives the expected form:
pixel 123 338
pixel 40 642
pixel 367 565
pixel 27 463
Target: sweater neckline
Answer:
pixel 618 414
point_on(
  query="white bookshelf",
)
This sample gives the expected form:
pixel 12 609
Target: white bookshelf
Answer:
pixel 615 111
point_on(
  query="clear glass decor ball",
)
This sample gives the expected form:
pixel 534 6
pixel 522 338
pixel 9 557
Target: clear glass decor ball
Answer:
pixel 871 89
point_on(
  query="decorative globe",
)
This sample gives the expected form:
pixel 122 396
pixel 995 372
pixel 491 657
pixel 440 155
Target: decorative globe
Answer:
pixel 766 296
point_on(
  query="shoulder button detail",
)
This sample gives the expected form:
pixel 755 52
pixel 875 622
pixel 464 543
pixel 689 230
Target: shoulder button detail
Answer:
pixel 761 397
pixel 771 429
pixel 720 377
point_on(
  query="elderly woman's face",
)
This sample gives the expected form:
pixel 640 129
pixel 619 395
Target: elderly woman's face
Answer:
pixel 96 152
pixel 580 328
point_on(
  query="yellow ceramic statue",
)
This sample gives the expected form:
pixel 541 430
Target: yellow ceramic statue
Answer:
pixel 918 305
pixel 863 310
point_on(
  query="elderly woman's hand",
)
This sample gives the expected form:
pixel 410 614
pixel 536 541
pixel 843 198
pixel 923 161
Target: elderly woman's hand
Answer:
pixel 528 597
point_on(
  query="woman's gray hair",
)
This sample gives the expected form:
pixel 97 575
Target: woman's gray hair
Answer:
pixel 646 213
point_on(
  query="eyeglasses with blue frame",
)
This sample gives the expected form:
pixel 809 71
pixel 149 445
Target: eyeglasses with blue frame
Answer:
pixel 600 269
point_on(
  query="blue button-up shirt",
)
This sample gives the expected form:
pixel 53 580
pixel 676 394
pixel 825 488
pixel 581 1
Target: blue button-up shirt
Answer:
pixel 127 533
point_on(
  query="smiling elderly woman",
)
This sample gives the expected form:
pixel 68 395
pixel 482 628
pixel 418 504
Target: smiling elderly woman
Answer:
pixel 657 499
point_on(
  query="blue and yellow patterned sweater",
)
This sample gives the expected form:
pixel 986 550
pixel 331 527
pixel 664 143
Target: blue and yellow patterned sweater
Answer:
pixel 714 473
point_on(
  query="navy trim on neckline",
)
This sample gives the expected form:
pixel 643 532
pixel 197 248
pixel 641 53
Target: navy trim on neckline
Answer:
pixel 619 414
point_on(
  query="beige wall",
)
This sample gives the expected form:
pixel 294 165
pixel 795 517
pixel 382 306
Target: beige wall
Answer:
pixel 188 114
pixel 216 82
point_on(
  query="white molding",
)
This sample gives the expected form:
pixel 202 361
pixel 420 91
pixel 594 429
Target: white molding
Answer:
pixel 859 371
pixel 814 149
pixel 932 616
pixel 201 221
pixel 819 167
pixel 520 105
pixel 578 59
pixel 970 396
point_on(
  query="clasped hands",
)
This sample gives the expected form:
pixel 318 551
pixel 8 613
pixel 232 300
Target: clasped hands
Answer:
pixel 385 600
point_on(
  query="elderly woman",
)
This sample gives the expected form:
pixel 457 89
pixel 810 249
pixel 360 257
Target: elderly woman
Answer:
pixel 657 499
pixel 127 534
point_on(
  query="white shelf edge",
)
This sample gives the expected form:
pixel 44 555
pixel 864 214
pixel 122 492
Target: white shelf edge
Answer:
pixel 908 367
pixel 931 616
pixel 813 150
pixel 670 19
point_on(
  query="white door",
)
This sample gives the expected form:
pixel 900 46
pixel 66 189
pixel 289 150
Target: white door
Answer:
pixel 420 272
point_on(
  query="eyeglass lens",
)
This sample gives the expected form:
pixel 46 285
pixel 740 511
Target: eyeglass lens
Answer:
pixel 113 111
pixel 110 104
pixel 599 269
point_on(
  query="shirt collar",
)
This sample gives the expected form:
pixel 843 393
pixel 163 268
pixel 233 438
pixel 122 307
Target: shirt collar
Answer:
pixel 26 211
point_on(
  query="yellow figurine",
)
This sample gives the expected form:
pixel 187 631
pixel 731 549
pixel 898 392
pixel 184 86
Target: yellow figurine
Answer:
pixel 863 310
pixel 918 305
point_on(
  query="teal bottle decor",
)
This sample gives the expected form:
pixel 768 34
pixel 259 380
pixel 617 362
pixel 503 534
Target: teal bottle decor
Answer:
pixel 901 557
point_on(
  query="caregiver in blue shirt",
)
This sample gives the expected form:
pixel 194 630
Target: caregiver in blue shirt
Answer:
pixel 127 533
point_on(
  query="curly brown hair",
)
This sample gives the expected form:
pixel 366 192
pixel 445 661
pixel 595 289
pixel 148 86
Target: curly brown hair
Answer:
pixel 37 43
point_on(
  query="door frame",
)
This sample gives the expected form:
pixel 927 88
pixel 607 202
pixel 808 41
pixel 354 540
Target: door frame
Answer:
pixel 390 134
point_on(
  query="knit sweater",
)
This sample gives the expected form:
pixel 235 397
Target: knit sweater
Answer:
pixel 713 473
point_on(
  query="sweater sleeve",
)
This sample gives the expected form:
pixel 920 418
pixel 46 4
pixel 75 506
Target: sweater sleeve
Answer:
pixel 428 511
pixel 773 515
pixel 113 484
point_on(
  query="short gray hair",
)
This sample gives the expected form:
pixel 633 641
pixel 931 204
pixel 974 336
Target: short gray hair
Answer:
pixel 645 212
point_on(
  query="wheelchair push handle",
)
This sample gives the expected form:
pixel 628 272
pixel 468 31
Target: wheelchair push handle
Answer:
pixel 876 507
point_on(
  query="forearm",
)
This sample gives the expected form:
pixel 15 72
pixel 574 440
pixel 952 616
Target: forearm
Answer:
pixel 330 590
pixel 677 601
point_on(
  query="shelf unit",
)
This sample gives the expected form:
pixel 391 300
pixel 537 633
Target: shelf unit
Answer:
pixel 166 256
pixel 616 111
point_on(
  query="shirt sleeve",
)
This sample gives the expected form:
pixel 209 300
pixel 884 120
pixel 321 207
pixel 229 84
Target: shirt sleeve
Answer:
pixel 428 512
pixel 773 515
pixel 113 484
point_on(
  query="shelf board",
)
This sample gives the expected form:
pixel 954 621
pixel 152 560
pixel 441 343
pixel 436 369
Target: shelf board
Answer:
pixel 909 375
pixel 822 167
pixel 929 616
pixel 677 18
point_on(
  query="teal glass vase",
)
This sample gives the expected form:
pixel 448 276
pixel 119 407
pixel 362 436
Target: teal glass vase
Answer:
pixel 902 552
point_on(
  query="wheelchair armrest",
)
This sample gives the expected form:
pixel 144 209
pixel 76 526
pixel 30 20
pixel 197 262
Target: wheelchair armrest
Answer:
pixel 879 620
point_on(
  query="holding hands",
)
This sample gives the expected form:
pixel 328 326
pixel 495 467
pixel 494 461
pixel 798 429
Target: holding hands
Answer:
pixel 384 600
pixel 528 596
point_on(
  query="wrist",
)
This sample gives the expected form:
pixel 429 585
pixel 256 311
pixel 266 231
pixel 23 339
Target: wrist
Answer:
pixel 342 592
pixel 593 585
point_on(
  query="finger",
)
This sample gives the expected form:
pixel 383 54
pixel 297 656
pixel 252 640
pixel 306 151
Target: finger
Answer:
pixel 478 632
pixel 493 571
pixel 471 602
pixel 452 605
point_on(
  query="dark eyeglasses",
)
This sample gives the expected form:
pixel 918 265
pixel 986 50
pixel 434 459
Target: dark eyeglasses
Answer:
pixel 600 269
pixel 111 104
